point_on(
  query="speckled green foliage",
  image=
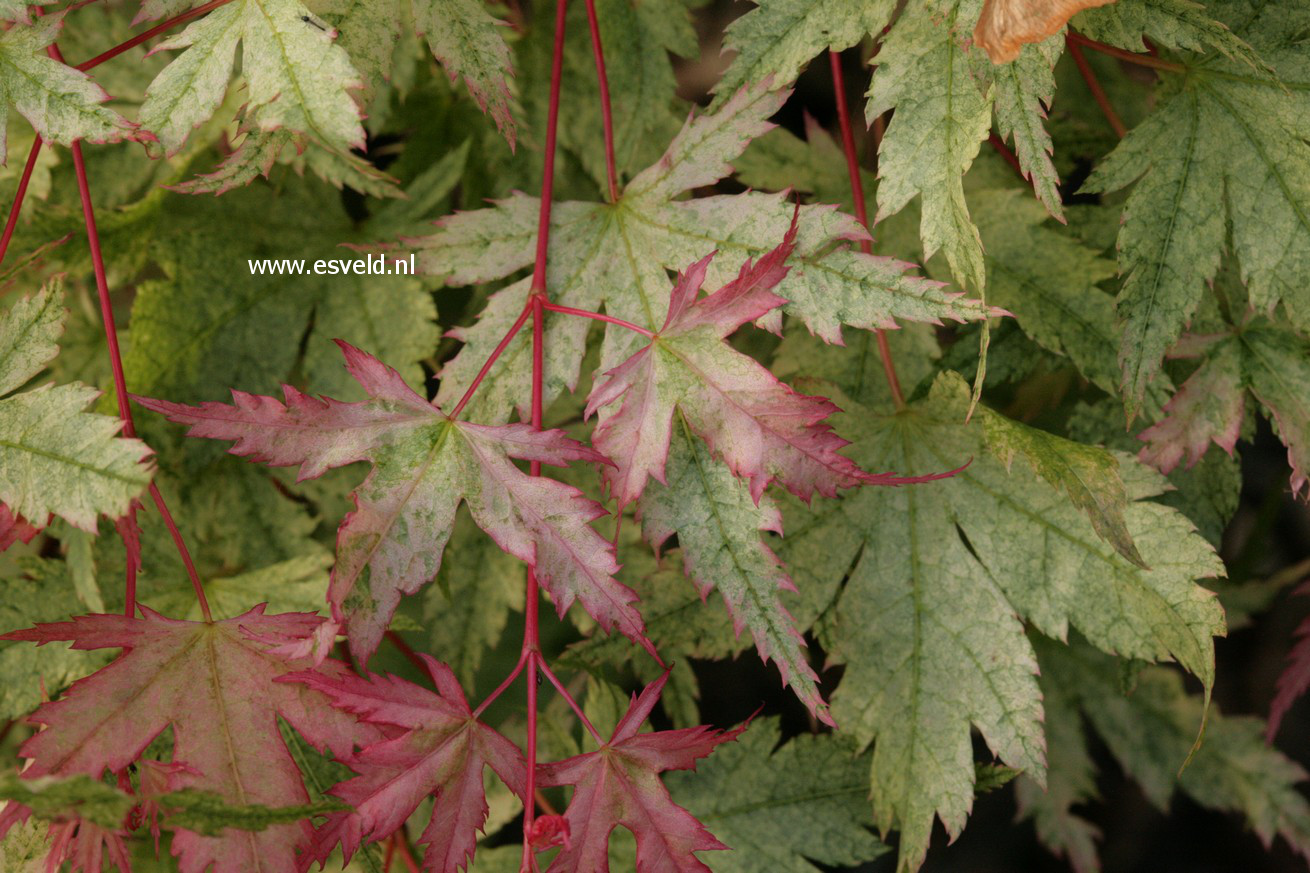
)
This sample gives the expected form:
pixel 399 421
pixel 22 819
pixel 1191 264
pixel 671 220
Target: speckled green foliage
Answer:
pixel 294 72
pixel 926 623
pixel 777 39
pixel 942 116
pixel 1195 188
pixel 719 527
pixel 61 103
pixel 615 257
pixel 786 807
pixel 1151 729
pixel 56 458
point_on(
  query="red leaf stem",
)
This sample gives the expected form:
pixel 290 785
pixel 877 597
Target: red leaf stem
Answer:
pixel 606 116
pixel 582 716
pixel 12 221
pixel 491 359
pixel 999 146
pixel 608 319
pixel 148 34
pixel 1094 85
pixel 857 190
pixel 1132 57
pixel 120 385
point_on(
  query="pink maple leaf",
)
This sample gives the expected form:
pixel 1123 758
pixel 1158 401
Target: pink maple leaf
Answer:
pixel 213 683
pixel 619 784
pixel 760 427
pixel 424 464
pixel 442 752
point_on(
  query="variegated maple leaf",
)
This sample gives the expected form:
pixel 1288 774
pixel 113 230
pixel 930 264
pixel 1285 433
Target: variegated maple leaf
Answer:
pixel 619 784
pixel 760 427
pixel 442 752
pixel 213 683
pixel 424 464
pixel 688 378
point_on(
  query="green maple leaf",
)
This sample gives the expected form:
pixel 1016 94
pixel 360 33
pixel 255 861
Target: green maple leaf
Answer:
pixel 461 34
pixel 778 38
pixel 63 104
pixel 56 458
pixel 1180 25
pixel 783 807
pixel 1151 730
pixel 1194 190
pixel 942 115
pixel 614 256
pixel 927 621
pixel 295 75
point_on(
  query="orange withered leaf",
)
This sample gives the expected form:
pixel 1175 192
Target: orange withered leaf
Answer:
pixel 1006 26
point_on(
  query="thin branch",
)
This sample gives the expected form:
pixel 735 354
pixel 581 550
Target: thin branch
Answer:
pixel 1132 57
pixel 149 34
pixel 116 367
pixel 573 703
pixel 536 299
pixel 608 319
pixel 405 649
pixel 606 117
pixel 1094 85
pixel 491 359
pixel 857 191
pixel 21 192
pixel 1008 156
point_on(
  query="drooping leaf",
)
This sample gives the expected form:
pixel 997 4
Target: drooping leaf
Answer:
pixel 942 115
pixel 926 623
pixel 1208 407
pixel 1089 475
pixel 1152 731
pixel 1192 187
pixel 63 104
pixel 442 751
pixel 213 683
pixel 718 526
pixel 424 464
pixel 619 784
pixel 614 256
pixel 1295 678
pixel 783 807
pixel 29 334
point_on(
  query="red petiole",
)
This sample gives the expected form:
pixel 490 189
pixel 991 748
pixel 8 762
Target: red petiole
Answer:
pixel 857 191
pixel 1094 84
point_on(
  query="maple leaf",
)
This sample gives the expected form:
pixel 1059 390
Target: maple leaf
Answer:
pixel 15 528
pixel 1151 729
pixel 927 622
pixel 1179 25
pixel 424 464
pixel 296 76
pixel 63 104
pixel 619 784
pixel 1192 191
pixel 56 458
pixel 1262 356
pixel 782 806
pixel 441 753
pixel 1295 678
pixel 778 38
pixel 759 426
pixel 461 35
pixel 613 256
pixel 213 683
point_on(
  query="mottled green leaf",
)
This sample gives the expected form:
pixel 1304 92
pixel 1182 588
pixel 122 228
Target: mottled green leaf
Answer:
pixel 783 808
